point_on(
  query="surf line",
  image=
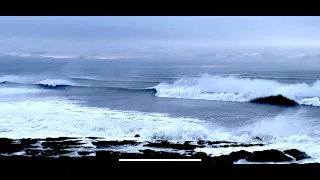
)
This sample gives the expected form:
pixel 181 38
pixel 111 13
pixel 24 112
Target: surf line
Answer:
pixel 154 160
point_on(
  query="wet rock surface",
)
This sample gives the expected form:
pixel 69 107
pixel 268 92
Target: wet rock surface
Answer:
pixel 61 144
pixel 100 144
pixel 275 100
pixel 166 144
pixel 111 150
pixel 298 155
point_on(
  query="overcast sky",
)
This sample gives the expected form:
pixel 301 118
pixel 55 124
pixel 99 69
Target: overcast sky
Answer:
pixel 134 35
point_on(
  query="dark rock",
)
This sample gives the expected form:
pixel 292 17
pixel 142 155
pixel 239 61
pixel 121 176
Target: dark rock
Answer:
pixel 47 153
pixel 239 145
pixel 257 156
pixel 8 146
pixel 59 138
pixel 148 153
pixel 84 153
pixel 298 155
pixel 54 152
pixel 100 144
pixel 58 146
pixel 95 138
pixel 144 154
pixel 275 100
pixel 269 156
pixel 109 155
pixel 218 142
pixel 232 157
pixel 26 143
pixel 62 144
pixel 33 152
pixel 5 141
pixel 258 138
pixel 166 144
pixel 201 155
pixel 137 135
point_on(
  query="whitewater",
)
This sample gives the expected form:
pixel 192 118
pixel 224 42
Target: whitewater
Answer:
pixel 238 89
pixel 177 107
pixel 207 87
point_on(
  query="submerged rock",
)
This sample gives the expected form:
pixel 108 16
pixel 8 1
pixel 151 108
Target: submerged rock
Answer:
pixel 275 100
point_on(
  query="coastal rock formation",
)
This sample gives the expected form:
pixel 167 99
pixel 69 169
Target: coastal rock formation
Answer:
pixel 166 144
pixel 298 155
pixel 275 100
pixel 92 148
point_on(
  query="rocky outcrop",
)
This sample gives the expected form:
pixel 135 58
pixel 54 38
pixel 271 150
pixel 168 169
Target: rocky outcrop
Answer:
pixel 166 144
pixel 298 155
pixel 275 100
pixel 100 144
pixel 92 148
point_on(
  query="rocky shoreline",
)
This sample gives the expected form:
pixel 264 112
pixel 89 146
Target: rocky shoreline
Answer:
pixel 95 148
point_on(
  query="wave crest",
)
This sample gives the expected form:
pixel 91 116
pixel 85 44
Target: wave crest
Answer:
pixel 238 89
pixel 56 82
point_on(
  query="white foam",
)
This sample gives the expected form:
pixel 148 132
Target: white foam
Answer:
pixel 310 101
pixel 283 125
pixel 283 132
pixel 17 79
pixel 65 118
pixel 59 117
pixel 17 91
pixel 233 88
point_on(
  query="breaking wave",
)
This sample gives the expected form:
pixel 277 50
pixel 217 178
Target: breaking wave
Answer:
pixel 57 82
pixel 206 87
pixel 61 84
pixel 56 118
pixel 237 89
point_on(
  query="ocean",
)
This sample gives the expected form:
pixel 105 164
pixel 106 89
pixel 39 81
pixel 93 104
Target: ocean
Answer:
pixel 114 99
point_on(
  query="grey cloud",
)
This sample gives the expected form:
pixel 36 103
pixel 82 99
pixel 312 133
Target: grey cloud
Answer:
pixel 147 35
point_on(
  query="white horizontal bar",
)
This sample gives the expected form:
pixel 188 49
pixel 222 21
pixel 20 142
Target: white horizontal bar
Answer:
pixel 159 159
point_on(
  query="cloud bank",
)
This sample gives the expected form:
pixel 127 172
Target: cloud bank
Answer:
pixel 158 36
